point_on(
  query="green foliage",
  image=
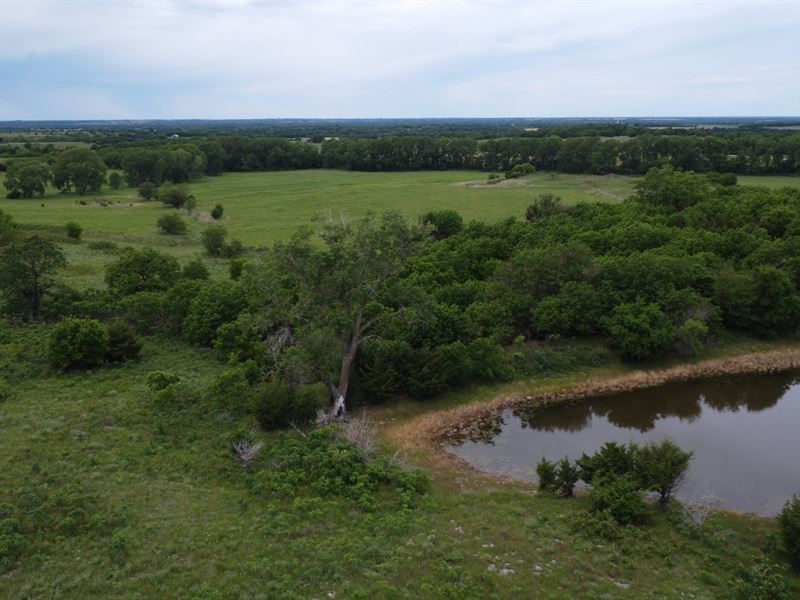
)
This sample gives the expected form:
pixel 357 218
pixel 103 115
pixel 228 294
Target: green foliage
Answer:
pixel 142 271
pixel 612 459
pixel 123 344
pixel 215 304
pixel 445 223
pixel 671 189
pixel 11 538
pixel 80 168
pixel 178 301
pixel 171 224
pixel 144 310
pixel 789 527
pixel 566 477
pixel 545 205
pixel 619 497
pixel 74 231
pixel 115 181
pixel 661 467
pixel 174 196
pixel 546 474
pixel 7 229
pixel 640 330
pixel 6 390
pixel 240 341
pixel 761 580
pixel 213 239
pixel 26 269
pixel 236 267
pixel 279 404
pixel 690 338
pixel 147 190
pixel 326 465
pixel 520 170
pixel 78 344
pixel 195 270
pixel 160 380
pixel 598 525
pixel 233 389
pixel 217 212
pixel 26 178
pixel 104 246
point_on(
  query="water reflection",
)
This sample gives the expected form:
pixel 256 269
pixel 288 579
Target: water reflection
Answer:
pixel 742 431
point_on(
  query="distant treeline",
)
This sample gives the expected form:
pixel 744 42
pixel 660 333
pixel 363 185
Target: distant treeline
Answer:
pixel 180 161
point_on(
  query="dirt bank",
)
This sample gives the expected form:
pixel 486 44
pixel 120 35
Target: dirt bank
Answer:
pixel 430 430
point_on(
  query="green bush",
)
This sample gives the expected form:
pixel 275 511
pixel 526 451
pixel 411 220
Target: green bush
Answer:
pixel 661 467
pixel 171 224
pixel 620 497
pixel 241 340
pixel 213 238
pixel 445 223
pixel 142 270
pixel 74 231
pixel 217 211
pixel 159 380
pixel 104 246
pixel 11 539
pixel 115 181
pixel 144 310
pixel 546 474
pixel 762 580
pixel 640 330
pixel 123 344
pixel 611 459
pixel 233 249
pixel 520 170
pixel 278 404
pixel 597 525
pixel 6 391
pixel 78 344
pixel 214 305
pixel 177 302
pixel 789 526
pixel 236 268
pixel 147 190
pixel 176 197
pixel 233 389
pixel 196 270
pixel 566 477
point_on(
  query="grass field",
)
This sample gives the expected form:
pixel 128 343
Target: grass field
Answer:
pixel 264 207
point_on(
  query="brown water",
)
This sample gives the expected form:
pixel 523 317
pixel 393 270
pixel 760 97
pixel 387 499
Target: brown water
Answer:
pixel 744 432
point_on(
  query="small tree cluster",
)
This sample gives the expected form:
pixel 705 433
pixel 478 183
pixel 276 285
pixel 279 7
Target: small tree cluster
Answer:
pixel 88 343
pixel 171 224
pixel 559 478
pixel 214 238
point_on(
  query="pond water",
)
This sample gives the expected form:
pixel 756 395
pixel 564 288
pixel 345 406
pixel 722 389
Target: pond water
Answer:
pixel 744 432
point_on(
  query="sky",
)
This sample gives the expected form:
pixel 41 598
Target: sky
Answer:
pixel 118 59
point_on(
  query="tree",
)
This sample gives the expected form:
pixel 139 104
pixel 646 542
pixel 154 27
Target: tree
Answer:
pixel 142 271
pixel 147 190
pixel 217 211
pixel 445 223
pixel 7 229
pixel 115 181
pixel 213 238
pixel 671 189
pixel 79 168
pixel 661 467
pixel 789 525
pixel 322 303
pixel 25 271
pixel 171 224
pixel 26 178
pixel 640 330
pixel 545 205
pixel 78 344
pixel 176 197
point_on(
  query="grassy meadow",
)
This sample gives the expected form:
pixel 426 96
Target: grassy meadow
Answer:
pixel 138 500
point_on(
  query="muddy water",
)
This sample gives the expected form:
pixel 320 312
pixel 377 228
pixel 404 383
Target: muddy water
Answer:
pixel 744 432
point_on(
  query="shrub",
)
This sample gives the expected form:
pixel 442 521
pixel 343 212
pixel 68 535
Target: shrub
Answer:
pixel 545 205
pixel 217 211
pixel 11 539
pixel 278 404
pixel 520 170
pixel 142 271
pixel 215 304
pixel 159 380
pixel 611 459
pixel 233 388
pixel 241 340
pixel 789 526
pixel 213 238
pixel 233 249
pixel 598 525
pixel 566 477
pixel 620 497
pixel 177 302
pixel 546 473
pixel 762 580
pixel 115 181
pixel 74 231
pixel 236 267
pixel 640 330
pixel 78 344
pixel 445 223
pixel 6 391
pixel 195 270
pixel 144 310
pixel 171 224
pixel 176 197
pixel 123 344
pixel 661 467
pixel 104 246
pixel 147 190
pixel 690 337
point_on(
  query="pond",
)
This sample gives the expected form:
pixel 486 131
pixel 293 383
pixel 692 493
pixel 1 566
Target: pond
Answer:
pixel 744 432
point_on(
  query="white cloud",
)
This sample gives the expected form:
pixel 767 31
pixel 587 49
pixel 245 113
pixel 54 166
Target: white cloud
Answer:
pixel 339 58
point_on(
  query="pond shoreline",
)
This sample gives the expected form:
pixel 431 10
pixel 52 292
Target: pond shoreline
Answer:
pixel 430 431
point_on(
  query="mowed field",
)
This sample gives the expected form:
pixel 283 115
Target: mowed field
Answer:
pixel 264 207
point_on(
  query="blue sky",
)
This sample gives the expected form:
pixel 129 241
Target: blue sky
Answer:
pixel 238 59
